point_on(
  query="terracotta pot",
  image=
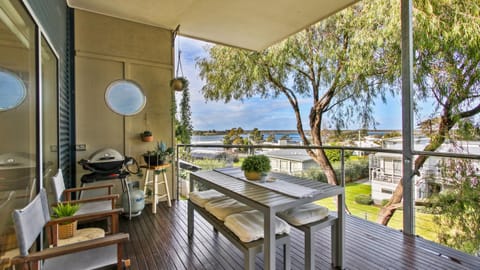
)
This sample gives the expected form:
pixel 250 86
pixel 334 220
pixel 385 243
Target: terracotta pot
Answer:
pixel 253 175
pixel 67 230
pixel 147 138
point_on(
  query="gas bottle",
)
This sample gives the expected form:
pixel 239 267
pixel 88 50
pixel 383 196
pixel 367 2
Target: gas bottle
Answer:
pixel 137 200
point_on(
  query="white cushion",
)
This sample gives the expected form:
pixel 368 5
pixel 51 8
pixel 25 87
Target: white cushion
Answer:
pixel 221 208
pixel 248 226
pixel 200 198
pixel 304 214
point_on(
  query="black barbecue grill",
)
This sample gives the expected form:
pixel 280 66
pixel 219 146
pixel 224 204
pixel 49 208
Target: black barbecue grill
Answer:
pixel 104 164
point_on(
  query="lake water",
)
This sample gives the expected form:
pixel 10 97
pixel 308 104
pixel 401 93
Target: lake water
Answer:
pixel 212 152
pixel 218 139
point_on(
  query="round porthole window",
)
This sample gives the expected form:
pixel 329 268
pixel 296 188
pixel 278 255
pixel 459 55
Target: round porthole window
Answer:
pixel 125 97
pixel 12 90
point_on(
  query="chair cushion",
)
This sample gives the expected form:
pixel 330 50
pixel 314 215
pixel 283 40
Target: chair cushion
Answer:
pixel 221 208
pixel 304 214
pixel 248 225
pixel 201 198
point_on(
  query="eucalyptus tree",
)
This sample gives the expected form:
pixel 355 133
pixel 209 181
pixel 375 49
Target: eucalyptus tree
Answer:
pixel 341 65
pixel 447 70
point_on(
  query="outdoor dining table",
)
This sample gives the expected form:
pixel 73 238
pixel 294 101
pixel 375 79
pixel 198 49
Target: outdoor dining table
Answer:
pixel 231 182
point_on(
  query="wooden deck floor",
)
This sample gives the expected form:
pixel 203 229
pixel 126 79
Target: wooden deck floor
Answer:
pixel 160 242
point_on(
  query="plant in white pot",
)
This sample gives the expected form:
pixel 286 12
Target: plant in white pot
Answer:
pixel 256 167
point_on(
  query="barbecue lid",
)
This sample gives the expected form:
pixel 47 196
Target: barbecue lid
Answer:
pixel 105 155
pixel 17 159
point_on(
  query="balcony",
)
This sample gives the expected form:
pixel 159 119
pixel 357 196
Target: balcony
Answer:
pixel 368 244
pixel 160 242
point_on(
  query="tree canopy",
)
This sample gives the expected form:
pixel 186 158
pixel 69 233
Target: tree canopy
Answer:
pixel 342 64
pixel 447 70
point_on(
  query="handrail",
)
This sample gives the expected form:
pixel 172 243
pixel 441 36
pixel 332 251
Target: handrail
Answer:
pixel 313 147
pixel 365 149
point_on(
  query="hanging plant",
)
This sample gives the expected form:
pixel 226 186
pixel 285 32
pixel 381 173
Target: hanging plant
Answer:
pixel 178 83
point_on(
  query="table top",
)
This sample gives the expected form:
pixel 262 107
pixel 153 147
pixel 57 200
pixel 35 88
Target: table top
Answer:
pixel 226 180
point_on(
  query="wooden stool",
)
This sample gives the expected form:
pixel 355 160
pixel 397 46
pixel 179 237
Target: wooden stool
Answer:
pixel 160 169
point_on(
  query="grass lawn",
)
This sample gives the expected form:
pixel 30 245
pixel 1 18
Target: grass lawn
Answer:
pixel 424 224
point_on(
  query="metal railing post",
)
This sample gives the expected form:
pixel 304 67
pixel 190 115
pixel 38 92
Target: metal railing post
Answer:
pixel 342 167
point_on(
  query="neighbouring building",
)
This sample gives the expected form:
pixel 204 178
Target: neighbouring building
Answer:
pixel 386 168
pixel 290 161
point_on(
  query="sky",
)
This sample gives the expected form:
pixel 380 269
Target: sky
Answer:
pixel 271 114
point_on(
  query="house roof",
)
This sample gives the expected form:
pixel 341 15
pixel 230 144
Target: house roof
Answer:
pixel 249 24
pixel 290 154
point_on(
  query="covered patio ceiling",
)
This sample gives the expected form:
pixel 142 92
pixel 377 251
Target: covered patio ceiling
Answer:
pixel 249 24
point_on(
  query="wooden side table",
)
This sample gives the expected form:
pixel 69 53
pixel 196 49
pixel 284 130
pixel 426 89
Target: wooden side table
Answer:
pixel 160 169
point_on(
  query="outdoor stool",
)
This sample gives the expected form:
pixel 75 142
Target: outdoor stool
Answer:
pixel 310 218
pixel 221 208
pixel 155 183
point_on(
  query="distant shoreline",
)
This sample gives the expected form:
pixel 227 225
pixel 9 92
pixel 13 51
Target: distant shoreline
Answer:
pixel 223 132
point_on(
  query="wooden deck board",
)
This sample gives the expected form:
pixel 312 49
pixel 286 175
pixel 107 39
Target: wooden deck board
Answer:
pixel 160 242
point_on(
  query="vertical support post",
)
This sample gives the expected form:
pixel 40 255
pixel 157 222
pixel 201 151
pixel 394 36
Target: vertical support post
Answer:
pixel 177 176
pixel 339 237
pixel 342 167
pixel 190 215
pixel 309 236
pixel 269 239
pixel 407 113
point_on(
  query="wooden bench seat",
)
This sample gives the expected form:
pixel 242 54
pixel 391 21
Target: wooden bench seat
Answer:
pixel 249 249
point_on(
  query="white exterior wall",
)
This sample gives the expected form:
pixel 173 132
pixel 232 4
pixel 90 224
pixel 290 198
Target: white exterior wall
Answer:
pixel 290 166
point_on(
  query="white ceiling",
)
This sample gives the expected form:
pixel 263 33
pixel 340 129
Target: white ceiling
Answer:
pixel 250 24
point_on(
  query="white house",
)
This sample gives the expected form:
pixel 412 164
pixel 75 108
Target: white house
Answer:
pixel 386 168
pixel 290 161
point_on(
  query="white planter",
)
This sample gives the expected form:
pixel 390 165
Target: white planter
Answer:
pixel 184 188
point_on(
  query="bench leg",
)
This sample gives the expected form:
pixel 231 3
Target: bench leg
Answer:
pixel 190 219
pixel 334 239
pixel 249 260
pixel 287 263
pixel 309 250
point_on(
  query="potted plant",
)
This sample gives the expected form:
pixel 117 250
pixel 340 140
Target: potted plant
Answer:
pixel 254 167
pixel 179 83
pixel 159 155
pixel 67 229
pixel 147 136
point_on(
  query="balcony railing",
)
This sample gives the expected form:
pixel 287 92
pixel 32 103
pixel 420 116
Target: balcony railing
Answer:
pixel 423 221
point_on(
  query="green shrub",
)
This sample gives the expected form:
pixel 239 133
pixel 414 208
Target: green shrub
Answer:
pixel 354 170
pixel 257 163
pixel 363 199
pixel 384 202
